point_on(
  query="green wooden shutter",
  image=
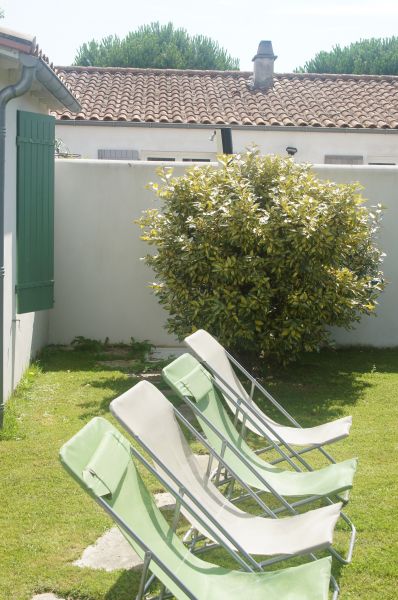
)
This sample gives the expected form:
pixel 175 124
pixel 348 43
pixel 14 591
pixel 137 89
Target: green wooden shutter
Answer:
pixel 35 211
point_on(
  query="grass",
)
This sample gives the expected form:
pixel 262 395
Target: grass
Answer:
pixel 46 520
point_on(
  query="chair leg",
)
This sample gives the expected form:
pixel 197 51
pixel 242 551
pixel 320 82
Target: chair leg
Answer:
pixel 195 537
pixel 230 489
pixel 142 586
pixel 348 558
pixel 335 587
pixel 149 582
pixel 189 534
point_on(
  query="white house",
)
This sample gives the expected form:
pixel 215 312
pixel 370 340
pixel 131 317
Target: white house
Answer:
pixel 29 88
pixel 158 114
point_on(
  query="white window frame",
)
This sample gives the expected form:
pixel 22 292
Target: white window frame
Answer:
pixel 117 154
pixel 344 159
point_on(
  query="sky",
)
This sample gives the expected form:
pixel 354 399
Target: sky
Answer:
pixel 298 29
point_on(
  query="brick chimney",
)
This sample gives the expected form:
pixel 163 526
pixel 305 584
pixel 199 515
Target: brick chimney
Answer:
pixel 263 70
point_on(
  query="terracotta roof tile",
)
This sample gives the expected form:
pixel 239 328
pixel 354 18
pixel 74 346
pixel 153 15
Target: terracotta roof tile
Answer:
pixel 226 98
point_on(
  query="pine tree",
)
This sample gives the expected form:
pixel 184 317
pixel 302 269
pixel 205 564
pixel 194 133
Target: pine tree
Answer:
pixel 375 56
pixel 156 46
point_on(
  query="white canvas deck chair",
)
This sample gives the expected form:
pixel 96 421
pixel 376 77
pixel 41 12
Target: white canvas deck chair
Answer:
pixel 195 385
pixel 99 458
pixel 221 364
pixel 150 419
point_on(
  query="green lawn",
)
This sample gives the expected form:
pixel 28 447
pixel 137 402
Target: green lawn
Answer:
pixel 46 520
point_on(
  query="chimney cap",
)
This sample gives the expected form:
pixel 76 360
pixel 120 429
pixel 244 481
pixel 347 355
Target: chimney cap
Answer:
pixel 265 50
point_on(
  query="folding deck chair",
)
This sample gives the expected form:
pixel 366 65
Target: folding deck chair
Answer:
pixel 217 360
pixel 98 458
pixel 190 380
pixel 149 417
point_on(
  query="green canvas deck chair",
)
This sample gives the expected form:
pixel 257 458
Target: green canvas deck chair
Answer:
pixel 150 419
pixel 98 458
pixel 217 360
pixel 190 380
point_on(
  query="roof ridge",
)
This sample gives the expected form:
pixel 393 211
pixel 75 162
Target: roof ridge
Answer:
pixel 347 76
pixel 149 70
pixel 203 72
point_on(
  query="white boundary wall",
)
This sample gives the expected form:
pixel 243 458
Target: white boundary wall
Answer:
pixel 101 285
pixel 380 186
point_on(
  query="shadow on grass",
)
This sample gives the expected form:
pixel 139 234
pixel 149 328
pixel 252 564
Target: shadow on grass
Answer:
pixel 126 586
pixel 322 385
pixel 112 387
pixel 62 358
pixel 317 388
pixel 338 570
pixel 115 387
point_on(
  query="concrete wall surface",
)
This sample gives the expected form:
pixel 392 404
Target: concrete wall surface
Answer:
pixel 380 186
pixel 101 283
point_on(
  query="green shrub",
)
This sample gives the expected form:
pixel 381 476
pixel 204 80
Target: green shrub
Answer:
pixel 262 254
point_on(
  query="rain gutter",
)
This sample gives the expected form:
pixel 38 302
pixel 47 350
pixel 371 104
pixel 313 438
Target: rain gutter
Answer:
pixel 251 128
pixel 29 66
pixel 48 78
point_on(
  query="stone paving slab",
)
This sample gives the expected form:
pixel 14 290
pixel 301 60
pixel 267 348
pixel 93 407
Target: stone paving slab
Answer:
pixel 164 352
pixel 118 363
pixel 46 596
pixel 112 551
pixel 165 501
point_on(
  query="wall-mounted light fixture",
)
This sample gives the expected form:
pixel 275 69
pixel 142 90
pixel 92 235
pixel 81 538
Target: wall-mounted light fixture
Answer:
pixel 291 150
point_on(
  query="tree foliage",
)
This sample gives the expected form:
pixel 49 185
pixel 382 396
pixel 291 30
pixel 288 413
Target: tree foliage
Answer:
pixel 374 57
pixel 156 46
pixel 262 254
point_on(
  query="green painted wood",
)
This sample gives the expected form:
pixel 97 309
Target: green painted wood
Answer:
pixel 35 211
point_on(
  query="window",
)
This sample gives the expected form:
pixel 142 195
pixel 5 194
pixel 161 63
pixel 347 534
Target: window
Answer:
pixel 173 156
pixel 343 159
pixel 172 159
pixel 35 211
pixel 382 160
pixel 196 160
pixel 167 158
pixel 114 154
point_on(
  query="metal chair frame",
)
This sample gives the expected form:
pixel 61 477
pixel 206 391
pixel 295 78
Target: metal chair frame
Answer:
pixel 251 563
pixel 285 505
pixel 267 428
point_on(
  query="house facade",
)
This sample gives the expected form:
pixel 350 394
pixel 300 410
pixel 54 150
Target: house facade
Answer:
pixel 29 88
pixel 155 114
